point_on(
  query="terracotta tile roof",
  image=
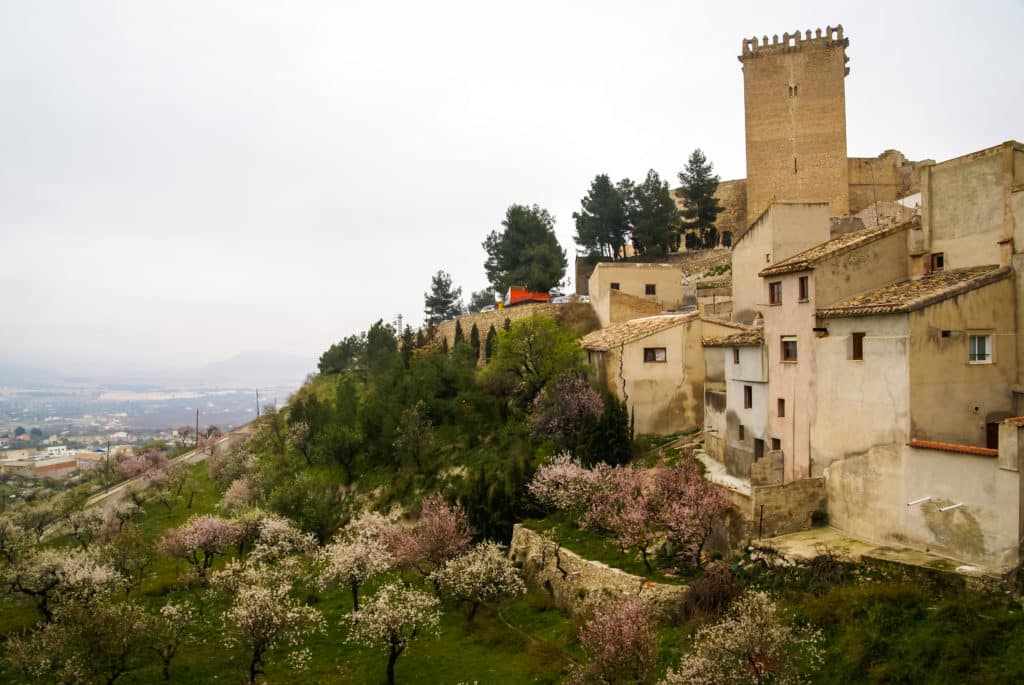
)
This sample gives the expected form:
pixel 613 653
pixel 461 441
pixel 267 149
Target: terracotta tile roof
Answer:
pixel 908 296
pixel 728 323
pixel 634 329
pixel 808 259
pixel 744 339
pixel 723 281
pixel 951 447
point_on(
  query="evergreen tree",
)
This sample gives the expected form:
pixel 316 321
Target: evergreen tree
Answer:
pixel 443 301
pixel 508 323
pixel 726 238
pixel 474 339
pixel 654 217
pixel 608 438
pixel 603 224
pixel 525 252
pixel 489 343
pixel 409 343
pixel 700 206
pixel 460 337
pixel 444 345
pixel 480 299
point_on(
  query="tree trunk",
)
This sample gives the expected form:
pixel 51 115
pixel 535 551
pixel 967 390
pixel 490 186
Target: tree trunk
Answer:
pixel 355 594
pixel 392 658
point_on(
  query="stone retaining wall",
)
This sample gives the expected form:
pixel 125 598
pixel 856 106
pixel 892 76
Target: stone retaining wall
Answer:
pixel 576 583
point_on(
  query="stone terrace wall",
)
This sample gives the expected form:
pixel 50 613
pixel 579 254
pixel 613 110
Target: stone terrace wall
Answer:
pixel 575 583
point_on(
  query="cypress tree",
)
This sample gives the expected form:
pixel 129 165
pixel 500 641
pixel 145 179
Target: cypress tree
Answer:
pixel 489 343
pixel 444 345
pixel 508 323
pixel 460 337
pixel 474 339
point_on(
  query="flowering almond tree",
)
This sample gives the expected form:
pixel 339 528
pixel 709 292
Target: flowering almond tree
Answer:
pixel 562 408
pixel 751 644
pixel 620 644
pixel 277 538
pixel 481 575
pixel 689 509
pixel 358 553
pixel 441 533
pixel 264 617
pixel 563 484
pixel 393 618
pixel 628 508
pixel 199 541
pixel 53 577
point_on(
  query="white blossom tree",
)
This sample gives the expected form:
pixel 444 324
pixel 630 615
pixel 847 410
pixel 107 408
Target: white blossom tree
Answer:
pixel 393 618
pixel 51 577
pixel 750 644
pixel 563 483
pixel 479 576
pixel 358 553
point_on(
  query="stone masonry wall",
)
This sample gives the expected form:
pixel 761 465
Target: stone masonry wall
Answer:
pixel 484 320
pixel 787 508
pixel 575 583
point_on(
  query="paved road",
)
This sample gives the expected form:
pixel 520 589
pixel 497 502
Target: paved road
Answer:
pixel 109 498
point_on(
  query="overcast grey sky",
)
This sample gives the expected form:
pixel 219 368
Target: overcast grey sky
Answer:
pixel 183 180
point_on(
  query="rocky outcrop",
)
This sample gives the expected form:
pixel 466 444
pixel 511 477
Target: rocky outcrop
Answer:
pixel 576 583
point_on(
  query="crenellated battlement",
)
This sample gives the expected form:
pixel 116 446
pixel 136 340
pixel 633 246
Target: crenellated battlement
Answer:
pixel 832 36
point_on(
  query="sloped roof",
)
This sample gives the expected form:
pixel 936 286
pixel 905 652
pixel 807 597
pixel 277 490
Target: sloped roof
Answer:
pixel 908 296
pixel 752 338
pixel 808 259
pixel 634 329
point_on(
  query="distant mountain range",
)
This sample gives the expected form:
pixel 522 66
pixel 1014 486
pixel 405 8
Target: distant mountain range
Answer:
pixel 249 369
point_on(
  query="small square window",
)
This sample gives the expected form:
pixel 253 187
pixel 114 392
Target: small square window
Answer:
pixel 654 354
pixel 615 286
pixel 748 397
pixel 938 262
pixel 782 407
pixel 803 286
pixel 735 355
pixel 775 292
pixel 650 289
pixel 980 349
pixel 946 334
pixel 857 346
pixel 741 432
pixel 788 348
pixel 776 444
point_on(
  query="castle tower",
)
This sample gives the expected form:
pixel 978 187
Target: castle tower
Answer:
pixel 795 102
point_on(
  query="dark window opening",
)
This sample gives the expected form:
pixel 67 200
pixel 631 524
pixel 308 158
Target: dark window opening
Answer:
pixel 782 407
pixel 938 261
pixel 776 444
pixel 803 283
pixel 775 292
pixel 615 286
pixel 789 349
pixel 741 432
pixel 857 346
pixel 758 448
pixel 946 334
pixel 654 354
pixel 748 397
pixel 649 289
pixel 992 436
pixel 735 355
pixel 794 165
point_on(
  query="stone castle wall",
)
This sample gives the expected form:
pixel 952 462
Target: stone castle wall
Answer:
pixel 885 178
pixel 484 320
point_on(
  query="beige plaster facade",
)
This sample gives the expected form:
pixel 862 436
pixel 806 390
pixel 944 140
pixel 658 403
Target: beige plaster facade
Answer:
pixel 647 289
pixel 783 230
pixel 914 383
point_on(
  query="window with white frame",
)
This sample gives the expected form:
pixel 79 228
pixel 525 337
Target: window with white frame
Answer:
pixel 979 349
pixel 654 354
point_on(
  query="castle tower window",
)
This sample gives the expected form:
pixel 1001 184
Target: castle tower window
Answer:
pixel 650 289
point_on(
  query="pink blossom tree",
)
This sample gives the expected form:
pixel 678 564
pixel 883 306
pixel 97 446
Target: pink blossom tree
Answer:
pixel 442 532
pixel 690 508
pixel 620 644
pixel 562 408
pixel 562 483
pixel 393 618
pixel 479 576
pixel 199 541
pixel 359 552
pixel 627 507
pixel 750 644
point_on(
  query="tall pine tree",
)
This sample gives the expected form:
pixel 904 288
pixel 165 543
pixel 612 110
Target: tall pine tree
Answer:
pixel 443 301
pixel 700 206
pixel 525 252
pixel 654 217
pixel 602 225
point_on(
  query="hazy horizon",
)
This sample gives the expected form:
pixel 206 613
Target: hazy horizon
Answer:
pixel 185 181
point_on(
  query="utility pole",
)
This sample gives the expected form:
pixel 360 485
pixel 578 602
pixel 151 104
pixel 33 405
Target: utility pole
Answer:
pixel 257 403
pixel 197 427
pixel 106 466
